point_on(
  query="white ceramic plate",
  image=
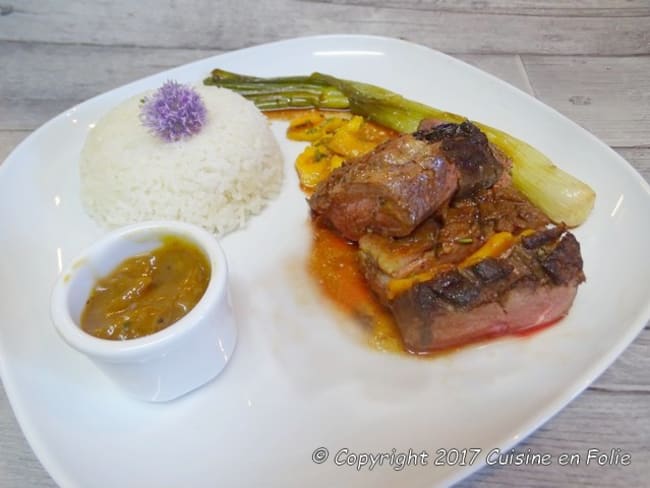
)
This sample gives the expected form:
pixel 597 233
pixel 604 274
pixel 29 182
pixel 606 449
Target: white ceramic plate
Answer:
pixel 298 379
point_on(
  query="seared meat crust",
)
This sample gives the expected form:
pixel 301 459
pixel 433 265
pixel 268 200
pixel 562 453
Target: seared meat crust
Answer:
pixel 393 189
pixel 467 147
pixel 534 284
pixel 389 191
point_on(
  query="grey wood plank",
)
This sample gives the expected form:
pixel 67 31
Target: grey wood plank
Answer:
pixel 610 96
pixel 631 371
pixel 560 8
pixel 595 420
pixel 639 157
pixel 40 81
pixel 18 464
pixel 508 67
pixel 9 139
pixel 486 28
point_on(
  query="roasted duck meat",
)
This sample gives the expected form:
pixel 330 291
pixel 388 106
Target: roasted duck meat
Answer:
pixel 468 150
pixel 533 284
pixel 445 240
pixel 393 189
pixel 448 237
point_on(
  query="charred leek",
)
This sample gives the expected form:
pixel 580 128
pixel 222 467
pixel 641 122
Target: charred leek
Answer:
pixel 561 196
pixel 558 194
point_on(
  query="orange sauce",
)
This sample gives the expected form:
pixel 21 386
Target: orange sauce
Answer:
pixel 334 264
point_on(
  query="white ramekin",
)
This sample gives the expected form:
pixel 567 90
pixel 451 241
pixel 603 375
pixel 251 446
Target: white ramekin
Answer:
pixel 169 363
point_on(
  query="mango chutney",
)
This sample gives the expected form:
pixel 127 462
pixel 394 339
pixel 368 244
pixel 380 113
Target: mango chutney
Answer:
pixel 147 292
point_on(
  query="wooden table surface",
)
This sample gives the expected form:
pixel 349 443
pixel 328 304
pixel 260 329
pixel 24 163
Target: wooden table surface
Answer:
pixel 589 59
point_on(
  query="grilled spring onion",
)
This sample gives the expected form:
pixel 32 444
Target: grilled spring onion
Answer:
pixel 562 197
pixel 281 93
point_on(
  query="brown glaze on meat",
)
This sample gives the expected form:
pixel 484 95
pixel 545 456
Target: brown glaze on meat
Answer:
pixel 468 149
pixel 393 189
pixel 504 209
pixel 534 284
pixel 461 232
pixel 450 236
pixel 405 256
pixel 388 191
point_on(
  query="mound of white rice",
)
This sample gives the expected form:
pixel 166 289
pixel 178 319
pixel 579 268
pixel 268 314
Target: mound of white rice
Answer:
pixel 216 179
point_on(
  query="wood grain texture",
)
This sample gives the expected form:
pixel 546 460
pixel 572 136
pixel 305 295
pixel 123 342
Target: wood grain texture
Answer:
pixel 592 421
pixel 608 95
pixel 508 67
pixel 589 59
pixel 471 27
pixel 52 85
pixel 40 80
pixel 630 373
pixel 18 465
pixel 9 139
pixel 559 8
pixel 639 157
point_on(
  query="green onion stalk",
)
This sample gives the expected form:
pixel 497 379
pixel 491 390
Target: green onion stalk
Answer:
pixel 564 198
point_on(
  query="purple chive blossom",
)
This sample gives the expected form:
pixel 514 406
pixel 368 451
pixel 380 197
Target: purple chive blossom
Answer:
pixel 174 112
